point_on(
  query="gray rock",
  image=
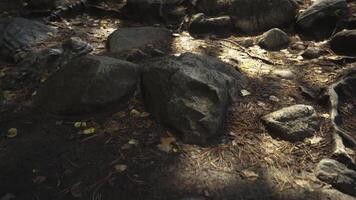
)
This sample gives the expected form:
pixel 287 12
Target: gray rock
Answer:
pixel 88 84
pixel 155 8
pixel 191 94
pixel 319 20
pixel 55 57
pixel 292 123
pixel 201 24
pixel 312 52
pixel 213 7
pixel 251 16
pixel 274 39
pixel 20 35
pixel 344 43
pixel 125 40
pixel 338 175
pixel 42 4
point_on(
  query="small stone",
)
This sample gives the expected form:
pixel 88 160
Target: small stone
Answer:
pixel 247 43
pixel 312 53
pixel 298 46
pixel 274 40
pixel 293 123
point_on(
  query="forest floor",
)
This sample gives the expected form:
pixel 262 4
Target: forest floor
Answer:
pixel 131 156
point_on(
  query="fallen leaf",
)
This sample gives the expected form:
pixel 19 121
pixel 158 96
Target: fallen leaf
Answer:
pixel 315 140
pixel 302 183
pixel 135 113
pixel 12 132
pixel 120 167
pixel 167 144
pixel 89 131
pixel 133 142
pixel 2 73
pixel 273 98
pixel 144 114
pixel 245 93
pixel 251 175
pixel 80 124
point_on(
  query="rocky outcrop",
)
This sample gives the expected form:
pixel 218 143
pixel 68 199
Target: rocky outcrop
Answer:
pixel 338 175
pixel 320 20
pixel 190 94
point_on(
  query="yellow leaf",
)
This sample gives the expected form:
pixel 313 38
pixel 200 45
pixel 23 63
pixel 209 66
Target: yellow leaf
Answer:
pixel 80 124
pixel 133 142
pixel 167 144
pixel 144 114
pixel 12 132
pixel 120 167
pixel 251 175
pixel 135 113
pixel 2 73
pixel 89 131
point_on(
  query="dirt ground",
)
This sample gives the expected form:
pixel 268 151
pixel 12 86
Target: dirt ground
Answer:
pixel 51 158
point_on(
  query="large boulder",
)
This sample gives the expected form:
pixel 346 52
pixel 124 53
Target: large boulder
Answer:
pixel 87 84
pixel 344 42
pixel 213 7
pixel 20 35
pixel 156 8
pixel 55 57
pixel 274 39
pixel 338 175
pixel 124 41
pixel 251 16
pixel 293 123
pixel 201 24
pixel 320 20
pixel 191 93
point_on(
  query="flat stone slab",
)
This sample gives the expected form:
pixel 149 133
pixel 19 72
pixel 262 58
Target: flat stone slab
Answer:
pixel 89 84
pixel 293 123
pixel 125 40
pixel 20 35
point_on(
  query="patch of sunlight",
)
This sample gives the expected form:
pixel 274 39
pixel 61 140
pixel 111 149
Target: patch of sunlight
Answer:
pixel 254 68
